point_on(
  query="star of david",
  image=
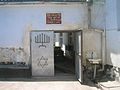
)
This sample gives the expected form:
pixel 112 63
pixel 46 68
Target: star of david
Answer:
pixel 42 62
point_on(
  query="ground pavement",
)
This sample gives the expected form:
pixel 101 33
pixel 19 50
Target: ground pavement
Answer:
pixel 47 85
pixel 44 83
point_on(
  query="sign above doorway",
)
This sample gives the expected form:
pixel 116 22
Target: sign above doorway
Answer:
pixel 53 18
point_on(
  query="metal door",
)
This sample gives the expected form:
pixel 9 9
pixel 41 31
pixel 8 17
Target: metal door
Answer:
pixel 78 55
pixel 42 53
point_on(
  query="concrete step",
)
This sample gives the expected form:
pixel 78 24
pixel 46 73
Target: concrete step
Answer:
pixel 109 85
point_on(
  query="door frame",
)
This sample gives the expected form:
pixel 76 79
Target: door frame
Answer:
pixel 74 31
pixel 57 31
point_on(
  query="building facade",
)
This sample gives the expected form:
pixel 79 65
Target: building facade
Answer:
pixel 93 23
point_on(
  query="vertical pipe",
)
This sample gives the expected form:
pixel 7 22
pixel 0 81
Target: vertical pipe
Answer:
pixel 89 15
pixel 103 50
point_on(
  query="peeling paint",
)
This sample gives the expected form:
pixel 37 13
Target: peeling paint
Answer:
pixel 92 43
pixel 26 39
pixel 13 55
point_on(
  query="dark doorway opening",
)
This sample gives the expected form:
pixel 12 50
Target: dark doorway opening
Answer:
pixel 64 54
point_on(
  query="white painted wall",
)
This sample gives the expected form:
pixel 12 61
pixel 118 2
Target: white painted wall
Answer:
pixel 106 16
pixel 113 48
pixel 92 43
pixel 111 15
pixel 17 20
pixel 118 14
pixel 98 15
pixel 112 33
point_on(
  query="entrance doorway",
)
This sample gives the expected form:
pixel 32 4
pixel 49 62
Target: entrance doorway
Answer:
pixel 67 53
pixel 56 53
pixel 64 53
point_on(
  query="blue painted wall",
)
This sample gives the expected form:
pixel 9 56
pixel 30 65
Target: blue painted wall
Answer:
pixel 15 19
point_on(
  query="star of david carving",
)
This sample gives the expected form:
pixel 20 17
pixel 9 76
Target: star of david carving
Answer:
pixel 42 62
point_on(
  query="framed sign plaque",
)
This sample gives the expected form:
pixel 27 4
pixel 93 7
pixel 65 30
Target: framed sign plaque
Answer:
pixel 53 18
